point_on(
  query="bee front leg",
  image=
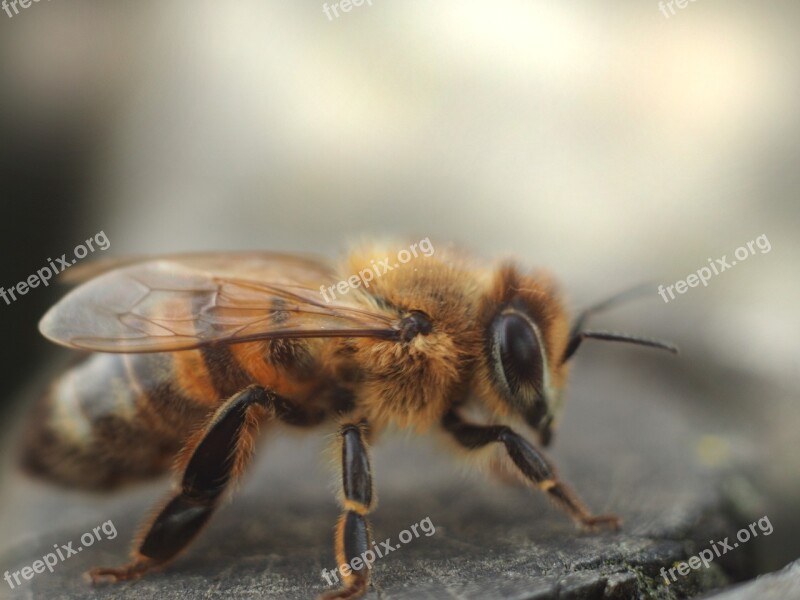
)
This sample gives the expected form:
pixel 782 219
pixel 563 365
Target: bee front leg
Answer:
pixel 353 537
pixel 211 459
pixel 531 463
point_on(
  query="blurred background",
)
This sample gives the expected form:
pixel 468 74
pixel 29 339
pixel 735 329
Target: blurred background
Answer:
pixel 614 145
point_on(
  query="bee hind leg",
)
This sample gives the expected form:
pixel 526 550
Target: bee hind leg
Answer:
pixel 533 466
pixel 209 461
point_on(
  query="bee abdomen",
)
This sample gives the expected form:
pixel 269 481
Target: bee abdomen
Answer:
pixel 100 425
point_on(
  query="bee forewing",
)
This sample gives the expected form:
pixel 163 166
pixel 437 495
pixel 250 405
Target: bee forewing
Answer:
pixel 184 302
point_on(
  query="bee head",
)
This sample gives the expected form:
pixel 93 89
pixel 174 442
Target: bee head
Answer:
pixel 528 343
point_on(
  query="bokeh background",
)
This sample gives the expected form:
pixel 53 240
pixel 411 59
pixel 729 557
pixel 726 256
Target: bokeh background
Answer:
pixel 609 143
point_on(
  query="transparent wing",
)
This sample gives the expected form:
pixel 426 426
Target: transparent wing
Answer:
pixel 188 301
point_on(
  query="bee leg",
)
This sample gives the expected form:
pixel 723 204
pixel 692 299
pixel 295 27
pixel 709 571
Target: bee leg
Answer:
pixel 531 463
pixel 209 461
pixel 353 537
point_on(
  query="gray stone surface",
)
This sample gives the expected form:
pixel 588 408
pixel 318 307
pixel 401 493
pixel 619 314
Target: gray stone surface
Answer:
pixel 629 444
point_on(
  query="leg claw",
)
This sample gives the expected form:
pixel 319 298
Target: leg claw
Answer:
pixel 100 575
pixel 612 522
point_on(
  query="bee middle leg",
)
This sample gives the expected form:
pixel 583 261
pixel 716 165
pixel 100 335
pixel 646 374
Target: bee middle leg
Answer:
pixel 353 537
pixel 212 458
pixel 531 463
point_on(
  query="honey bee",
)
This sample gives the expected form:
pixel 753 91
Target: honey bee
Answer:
pixel 195 352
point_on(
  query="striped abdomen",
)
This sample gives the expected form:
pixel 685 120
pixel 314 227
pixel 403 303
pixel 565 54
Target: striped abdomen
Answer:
pixel 116 418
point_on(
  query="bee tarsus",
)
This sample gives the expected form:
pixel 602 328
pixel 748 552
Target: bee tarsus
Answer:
pixel 531 463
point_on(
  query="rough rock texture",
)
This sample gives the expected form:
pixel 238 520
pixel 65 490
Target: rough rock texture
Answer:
pixel 781 585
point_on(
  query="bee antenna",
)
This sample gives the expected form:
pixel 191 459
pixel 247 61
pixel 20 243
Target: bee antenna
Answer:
pixel 613 336
pixel 578 334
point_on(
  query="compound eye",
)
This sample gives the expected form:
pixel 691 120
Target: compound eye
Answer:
pixel 517 349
